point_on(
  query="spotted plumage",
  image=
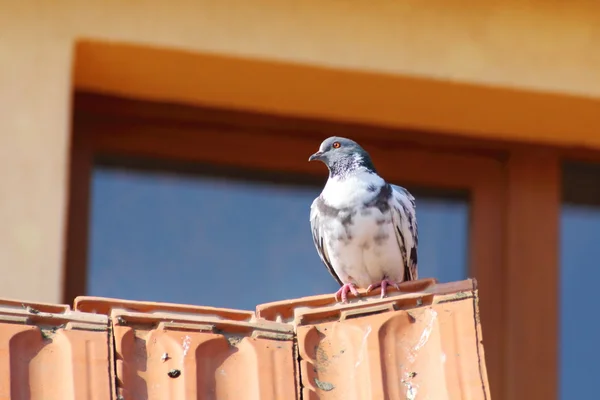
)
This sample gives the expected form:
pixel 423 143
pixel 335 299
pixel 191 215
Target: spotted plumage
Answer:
pixel 364 229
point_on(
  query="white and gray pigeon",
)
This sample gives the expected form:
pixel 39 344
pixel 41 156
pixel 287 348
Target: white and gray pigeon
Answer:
pixel 364 229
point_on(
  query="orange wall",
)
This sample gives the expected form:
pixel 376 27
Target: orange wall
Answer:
pixel 546 46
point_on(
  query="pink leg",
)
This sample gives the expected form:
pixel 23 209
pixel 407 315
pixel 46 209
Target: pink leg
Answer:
pixel 384 284
pixel 348 287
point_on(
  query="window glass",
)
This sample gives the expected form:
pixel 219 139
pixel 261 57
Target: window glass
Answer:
pixel 443 234
pixel 579 274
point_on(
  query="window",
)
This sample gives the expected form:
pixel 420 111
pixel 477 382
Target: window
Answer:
pixel 579 274
pixel 193 155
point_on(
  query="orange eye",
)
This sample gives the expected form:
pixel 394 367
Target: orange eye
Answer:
pixel 336 145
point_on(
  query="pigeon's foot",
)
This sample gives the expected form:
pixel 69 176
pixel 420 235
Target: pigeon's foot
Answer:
pixel 384 284
pixel 348 287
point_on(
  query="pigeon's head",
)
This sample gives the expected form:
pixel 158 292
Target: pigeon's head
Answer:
pixel 342 156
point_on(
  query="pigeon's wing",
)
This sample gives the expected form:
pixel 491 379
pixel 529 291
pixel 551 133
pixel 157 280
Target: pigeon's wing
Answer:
pixel 316 225
pixel 404 218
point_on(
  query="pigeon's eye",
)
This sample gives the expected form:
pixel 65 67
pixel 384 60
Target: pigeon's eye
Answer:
pixel 336 145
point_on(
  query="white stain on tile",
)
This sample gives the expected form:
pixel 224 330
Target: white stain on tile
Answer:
pixel 363 347
pixel 186 344
pixel 424 338
pixel 411 392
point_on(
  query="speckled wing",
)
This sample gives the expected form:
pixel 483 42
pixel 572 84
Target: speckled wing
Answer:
pixel 316 225
pixel 404 218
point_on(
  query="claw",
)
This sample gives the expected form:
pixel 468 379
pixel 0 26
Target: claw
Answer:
pixel 384 284
pixel 343 291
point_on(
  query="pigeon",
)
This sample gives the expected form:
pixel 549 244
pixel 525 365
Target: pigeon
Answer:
pixel 364 229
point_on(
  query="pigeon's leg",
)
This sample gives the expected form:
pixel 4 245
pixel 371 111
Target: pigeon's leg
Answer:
pixel 384 284
pixel 348 287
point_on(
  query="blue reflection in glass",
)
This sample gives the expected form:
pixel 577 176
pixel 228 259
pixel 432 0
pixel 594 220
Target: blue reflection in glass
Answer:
pixel 443 238
pixel 229 243
pixel 579 277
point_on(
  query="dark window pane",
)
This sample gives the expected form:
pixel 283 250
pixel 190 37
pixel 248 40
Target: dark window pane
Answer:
pixel 227 242
pixel 579 277
pixel 443 235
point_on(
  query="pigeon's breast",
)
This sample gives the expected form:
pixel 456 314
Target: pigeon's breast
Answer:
pixel 363 246
pixel 371 227
pixel 359 226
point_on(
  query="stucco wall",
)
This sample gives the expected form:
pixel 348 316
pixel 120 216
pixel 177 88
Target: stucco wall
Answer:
pixel 542 45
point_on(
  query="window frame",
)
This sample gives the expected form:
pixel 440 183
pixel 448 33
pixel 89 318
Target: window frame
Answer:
pixel 496 179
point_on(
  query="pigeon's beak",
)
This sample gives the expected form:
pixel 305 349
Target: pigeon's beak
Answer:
pixel 317 156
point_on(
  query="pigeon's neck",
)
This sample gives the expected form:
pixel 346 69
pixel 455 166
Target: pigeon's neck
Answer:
pixel 348 166
pixel 352 189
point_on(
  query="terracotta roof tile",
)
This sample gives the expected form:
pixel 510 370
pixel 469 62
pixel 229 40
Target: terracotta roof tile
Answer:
pixel 427 343
pixel 50 352
pixel 170 351
pixel 377 352
pixel 422 343
pixel 104 305
pixel 287 310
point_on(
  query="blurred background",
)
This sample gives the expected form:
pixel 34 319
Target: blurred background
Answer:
pixel 158 151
